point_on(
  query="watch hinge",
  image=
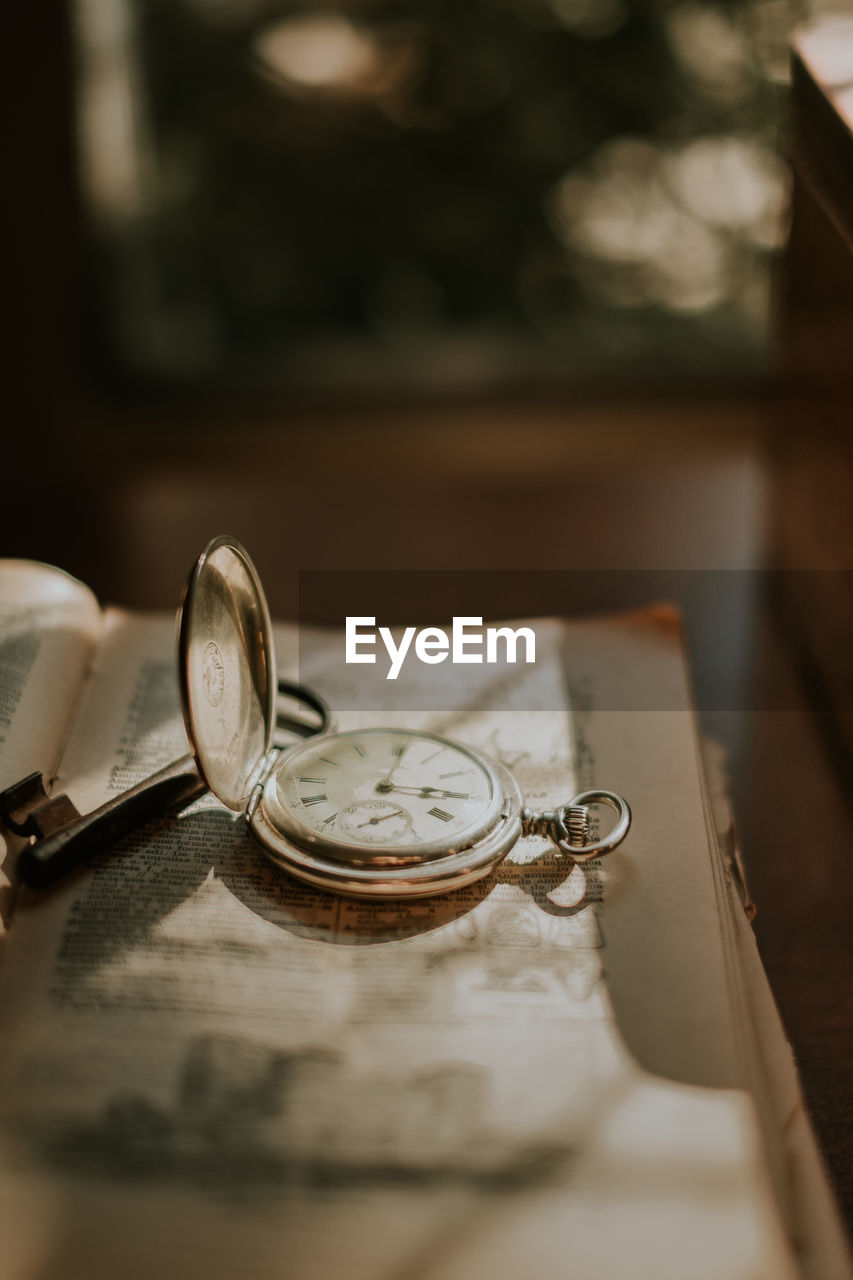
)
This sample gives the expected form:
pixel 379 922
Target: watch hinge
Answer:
pixel 266 767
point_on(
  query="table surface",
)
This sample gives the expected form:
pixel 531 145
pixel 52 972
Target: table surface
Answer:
pixel 682 488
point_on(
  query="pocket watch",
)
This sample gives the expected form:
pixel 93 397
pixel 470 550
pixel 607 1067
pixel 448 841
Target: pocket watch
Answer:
pixel 379 812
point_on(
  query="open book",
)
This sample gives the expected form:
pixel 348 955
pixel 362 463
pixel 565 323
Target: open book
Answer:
pixel 210 1069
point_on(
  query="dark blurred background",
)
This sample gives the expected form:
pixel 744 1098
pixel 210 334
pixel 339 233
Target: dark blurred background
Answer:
pixel 291 268
pixel 380 197
pixel 562 285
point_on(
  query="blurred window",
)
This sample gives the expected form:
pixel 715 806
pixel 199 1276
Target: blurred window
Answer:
pixel 441 194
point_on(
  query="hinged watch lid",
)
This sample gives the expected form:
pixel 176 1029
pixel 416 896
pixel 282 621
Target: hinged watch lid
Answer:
pixel 227 671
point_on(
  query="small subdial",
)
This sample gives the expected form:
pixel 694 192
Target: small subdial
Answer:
pixel 375 821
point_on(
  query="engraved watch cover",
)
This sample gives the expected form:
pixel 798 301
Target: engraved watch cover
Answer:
pixel 227 670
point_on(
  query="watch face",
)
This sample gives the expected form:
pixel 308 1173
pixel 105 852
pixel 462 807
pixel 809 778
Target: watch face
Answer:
pixel 384 792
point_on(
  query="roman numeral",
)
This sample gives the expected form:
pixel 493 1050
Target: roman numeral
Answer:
pixel 307 800
pixel 333 763
pixel 320 780
pixel 399 749
pixel 359 751
pixel 435 812
pixel 328 821
pixel 455 795
pixel 454 774
pixel 432 757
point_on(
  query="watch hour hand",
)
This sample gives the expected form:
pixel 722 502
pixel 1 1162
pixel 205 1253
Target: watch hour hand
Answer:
pixel 424 792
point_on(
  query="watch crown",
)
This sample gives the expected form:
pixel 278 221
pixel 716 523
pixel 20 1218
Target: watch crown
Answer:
pixel 566 826
pixel 576 818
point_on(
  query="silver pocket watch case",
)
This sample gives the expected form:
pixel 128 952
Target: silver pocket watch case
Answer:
pixel 228 693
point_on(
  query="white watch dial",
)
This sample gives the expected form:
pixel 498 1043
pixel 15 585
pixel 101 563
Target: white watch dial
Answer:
pixel 386 788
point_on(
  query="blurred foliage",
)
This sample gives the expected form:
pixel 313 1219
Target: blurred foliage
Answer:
pixel 430 192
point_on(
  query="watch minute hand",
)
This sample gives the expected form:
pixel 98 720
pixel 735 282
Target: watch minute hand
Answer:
pixel 424 792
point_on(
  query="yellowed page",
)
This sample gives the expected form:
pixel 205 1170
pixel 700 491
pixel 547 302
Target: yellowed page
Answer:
pixel 211 1070
pixel 796 1165
pixel 49 627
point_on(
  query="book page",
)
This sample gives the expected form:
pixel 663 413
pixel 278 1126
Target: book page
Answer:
pixel 213 1070
pixel 49 627
pixel 795 1161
